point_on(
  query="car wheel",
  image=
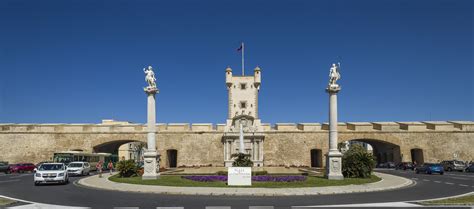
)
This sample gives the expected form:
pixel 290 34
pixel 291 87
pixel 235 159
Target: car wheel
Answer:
pixel 441 173
pixel 449 169
pixel 36 183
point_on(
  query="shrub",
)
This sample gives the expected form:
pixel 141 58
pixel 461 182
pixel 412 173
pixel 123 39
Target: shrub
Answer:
pixel 126 168
pixel 242 160
pixel 221 173
pixel 357 162
pixel 259 173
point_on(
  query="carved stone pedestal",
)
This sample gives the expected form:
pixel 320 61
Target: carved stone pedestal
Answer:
pixel 151 166
pixel 334 166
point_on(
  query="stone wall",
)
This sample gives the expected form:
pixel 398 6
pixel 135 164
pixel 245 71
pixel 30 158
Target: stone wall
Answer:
pixel 201 144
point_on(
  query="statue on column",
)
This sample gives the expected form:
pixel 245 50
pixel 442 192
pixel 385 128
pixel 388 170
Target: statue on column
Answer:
pixel 334 74
pixel 150 77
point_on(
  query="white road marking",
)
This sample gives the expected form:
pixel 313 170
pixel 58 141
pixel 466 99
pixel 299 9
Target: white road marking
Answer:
pixel 218 207
pixel 415 178
pixel 19 176
pixel 169 207
pixel 463 185
pixel 426 180
pixel 449 183
pixel 376 205
pixel 472 176
pixel 46 206
pixel 261 207
pixel 6 181
pixel 437 181
pixel 460 178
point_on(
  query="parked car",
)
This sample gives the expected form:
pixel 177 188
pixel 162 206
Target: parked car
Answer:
pixel 430 168
pixel 453 165
pixel 470 168
pixel 78 168
pixel 405 166
pixel 51 173
pixel 22 167
pixel 4 167
pixel 386 165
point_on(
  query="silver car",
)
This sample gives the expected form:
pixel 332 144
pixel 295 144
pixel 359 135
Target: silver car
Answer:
pixel 78 168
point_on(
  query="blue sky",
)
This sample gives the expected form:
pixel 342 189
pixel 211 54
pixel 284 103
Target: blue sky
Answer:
pixel 82 61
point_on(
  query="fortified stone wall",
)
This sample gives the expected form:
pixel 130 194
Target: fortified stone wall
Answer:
pixel 201 144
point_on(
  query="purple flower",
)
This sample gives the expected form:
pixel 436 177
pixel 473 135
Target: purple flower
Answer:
pixel 254 178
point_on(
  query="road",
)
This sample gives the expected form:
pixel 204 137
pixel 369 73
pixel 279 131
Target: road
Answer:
pixel 427 187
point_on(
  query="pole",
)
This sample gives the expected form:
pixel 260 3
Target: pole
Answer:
pixel 241 140
pixel 243 66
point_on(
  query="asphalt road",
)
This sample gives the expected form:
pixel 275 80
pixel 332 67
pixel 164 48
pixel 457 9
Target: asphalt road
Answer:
pixel 427 187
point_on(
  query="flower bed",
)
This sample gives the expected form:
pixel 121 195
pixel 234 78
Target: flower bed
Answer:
pixel 254 178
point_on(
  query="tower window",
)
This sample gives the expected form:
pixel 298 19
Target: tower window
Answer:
pixel 243 104
pixel 243 86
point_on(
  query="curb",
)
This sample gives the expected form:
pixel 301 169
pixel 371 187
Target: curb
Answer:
pixel 217 191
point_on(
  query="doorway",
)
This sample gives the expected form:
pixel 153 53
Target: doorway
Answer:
pixel 172 155
pixel 417 156
pixel 316 158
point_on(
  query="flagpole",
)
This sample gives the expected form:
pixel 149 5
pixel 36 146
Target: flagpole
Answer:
pixel 243 66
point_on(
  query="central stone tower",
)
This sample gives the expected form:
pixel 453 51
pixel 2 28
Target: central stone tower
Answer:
pixel 243 109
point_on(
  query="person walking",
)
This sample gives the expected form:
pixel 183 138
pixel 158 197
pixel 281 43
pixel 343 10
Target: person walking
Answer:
pixel 99 168
pixel 110 166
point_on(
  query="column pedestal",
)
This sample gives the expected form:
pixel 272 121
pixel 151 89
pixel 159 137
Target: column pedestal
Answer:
pixel 151 167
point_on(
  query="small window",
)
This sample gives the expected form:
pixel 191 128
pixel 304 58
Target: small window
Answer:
pixel 243 86
pixel 243 104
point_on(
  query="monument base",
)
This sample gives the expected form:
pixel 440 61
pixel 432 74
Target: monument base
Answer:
pixel 151 165
pixel 334 166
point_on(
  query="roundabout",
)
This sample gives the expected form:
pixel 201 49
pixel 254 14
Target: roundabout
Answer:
pixel 424 187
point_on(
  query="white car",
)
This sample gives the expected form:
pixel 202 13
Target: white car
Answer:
pixel 78 168
pixel 51 173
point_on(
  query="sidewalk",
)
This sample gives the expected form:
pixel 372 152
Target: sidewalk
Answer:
pixel 388 182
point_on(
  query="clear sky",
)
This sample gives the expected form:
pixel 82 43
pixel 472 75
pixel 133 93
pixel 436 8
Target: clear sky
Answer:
pixel 82 61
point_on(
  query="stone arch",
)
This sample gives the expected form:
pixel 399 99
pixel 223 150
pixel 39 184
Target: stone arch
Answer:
pixel 383 150
pixel 112 146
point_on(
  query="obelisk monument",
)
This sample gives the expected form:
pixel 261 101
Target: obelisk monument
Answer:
pixel 333 157
pixel 151 156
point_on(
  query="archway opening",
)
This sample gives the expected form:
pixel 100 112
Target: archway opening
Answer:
pixel 316 158
pixel 172 155
pixel 417 156
pixel 123 149
pixel 384 151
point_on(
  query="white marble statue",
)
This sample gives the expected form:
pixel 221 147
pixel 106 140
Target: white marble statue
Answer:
pixel 150 77
pixel 334 75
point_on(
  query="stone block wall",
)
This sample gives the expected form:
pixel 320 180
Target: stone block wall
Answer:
pixel 201 144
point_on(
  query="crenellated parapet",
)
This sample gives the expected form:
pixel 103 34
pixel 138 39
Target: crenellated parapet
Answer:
pixel 417 126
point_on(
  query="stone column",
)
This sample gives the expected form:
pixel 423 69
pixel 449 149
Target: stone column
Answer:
pixel 333 157
pixel 151 156
pixel 254 150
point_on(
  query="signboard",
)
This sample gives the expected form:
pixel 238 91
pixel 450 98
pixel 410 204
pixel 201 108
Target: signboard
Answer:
pixel 239 176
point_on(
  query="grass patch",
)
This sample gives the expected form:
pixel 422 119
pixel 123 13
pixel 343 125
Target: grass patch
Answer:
pixel 311 181
pixel 4 201
pixel 465 200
